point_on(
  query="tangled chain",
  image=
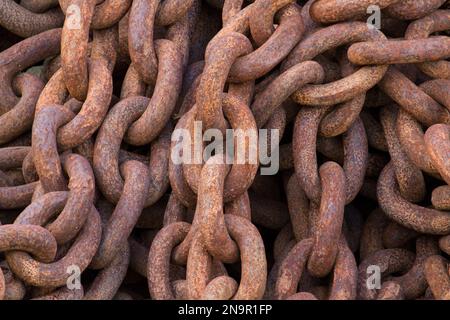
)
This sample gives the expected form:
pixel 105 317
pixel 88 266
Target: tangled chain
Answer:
pixel 94 207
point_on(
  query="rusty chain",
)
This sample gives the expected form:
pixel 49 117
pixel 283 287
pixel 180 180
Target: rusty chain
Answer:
pixel 98 99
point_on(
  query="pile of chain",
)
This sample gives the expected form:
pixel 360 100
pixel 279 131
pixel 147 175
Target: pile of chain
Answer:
pixel 93 207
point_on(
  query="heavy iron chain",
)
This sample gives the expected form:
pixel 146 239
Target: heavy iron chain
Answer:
pixel 92 92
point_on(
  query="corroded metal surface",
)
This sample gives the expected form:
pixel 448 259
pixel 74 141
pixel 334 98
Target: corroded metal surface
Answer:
pixel 100 99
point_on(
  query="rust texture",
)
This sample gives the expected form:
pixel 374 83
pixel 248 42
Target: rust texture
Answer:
pixel 224 149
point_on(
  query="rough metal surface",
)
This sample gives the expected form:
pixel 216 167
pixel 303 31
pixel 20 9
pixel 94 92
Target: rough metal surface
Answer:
pixel 100 99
